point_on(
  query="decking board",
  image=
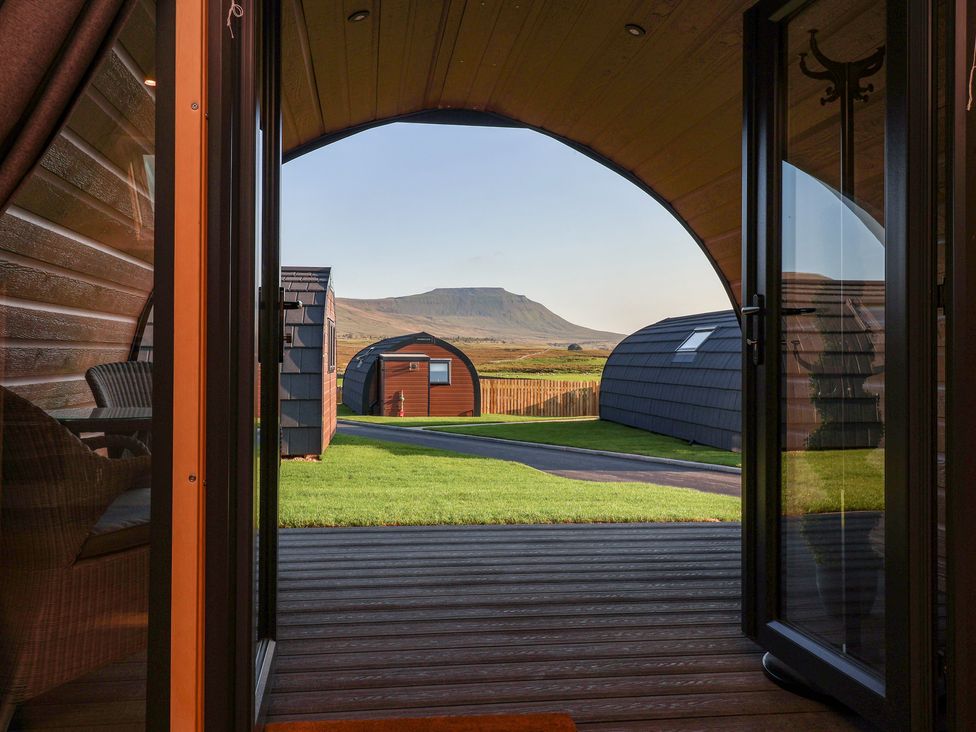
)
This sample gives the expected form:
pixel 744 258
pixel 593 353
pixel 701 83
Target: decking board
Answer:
pixel 625 627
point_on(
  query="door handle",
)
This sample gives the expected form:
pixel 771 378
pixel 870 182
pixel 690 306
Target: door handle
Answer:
pixel 753 325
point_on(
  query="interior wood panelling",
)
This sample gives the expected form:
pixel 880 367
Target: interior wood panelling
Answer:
pixel 665 106
pixel 29 357
pixel 76 243
pixel 69 391
pixel 57 200
pixel 23 233
pixel 21 320
pixel 63 287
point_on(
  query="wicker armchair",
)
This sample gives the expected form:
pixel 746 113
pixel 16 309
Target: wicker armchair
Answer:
pixel 123 384
pixel 74 554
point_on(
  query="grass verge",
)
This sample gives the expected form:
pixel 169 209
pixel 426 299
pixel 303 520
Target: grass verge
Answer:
pixel 363 482
pixel 599 435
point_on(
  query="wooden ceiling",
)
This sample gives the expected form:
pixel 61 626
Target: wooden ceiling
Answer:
pixel 664 107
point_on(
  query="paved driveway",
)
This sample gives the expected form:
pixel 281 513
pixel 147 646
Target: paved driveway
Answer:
pixel 576 465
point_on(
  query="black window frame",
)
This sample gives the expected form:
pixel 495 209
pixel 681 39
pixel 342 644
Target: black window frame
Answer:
pixel 430 374
pixel 333 345
pixel 694 349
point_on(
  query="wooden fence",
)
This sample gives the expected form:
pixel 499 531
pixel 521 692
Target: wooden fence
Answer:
pixel 535 397
pixel 540 398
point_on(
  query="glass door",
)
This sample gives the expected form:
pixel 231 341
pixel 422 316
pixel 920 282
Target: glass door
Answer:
pixel 267 343
pixel 826 322
pixel 244 331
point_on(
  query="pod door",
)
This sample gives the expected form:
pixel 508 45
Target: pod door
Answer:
pixel 828 355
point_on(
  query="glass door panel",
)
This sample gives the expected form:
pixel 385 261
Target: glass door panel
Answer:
pixel 268 339
pixel 832 329
pixel 834 556
pixel 85 461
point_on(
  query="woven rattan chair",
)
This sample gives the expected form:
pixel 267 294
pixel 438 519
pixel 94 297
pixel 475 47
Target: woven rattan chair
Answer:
pixel 74 553
pixel 123 384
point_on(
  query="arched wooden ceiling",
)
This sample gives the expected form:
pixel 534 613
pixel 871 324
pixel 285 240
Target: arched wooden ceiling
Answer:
pixel 664 106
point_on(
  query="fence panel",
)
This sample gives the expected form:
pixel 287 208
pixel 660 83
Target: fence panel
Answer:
pixel 540 398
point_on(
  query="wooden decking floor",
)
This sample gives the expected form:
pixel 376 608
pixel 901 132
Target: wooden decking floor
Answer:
pixel 623 626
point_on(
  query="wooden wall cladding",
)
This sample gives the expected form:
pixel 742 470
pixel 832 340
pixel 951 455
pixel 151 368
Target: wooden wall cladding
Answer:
pixel 456 399
pixel 77 241
pixel 665 106
pixel 409 378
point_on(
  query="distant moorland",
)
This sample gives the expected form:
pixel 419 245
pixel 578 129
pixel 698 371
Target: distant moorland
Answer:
pixel 512 360
pixel 481 313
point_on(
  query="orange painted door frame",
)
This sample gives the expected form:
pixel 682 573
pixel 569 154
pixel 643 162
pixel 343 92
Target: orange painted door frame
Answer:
pixel 189 363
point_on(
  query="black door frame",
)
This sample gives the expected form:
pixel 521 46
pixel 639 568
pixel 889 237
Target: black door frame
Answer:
pixel 236 668
pixel 961 386
pixel 159 666
pixel 271 325
pixel 906 694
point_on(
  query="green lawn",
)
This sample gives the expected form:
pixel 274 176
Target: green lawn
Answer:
pixel 362 482
pixel 345 413
pixel 600 435
pixel 822 481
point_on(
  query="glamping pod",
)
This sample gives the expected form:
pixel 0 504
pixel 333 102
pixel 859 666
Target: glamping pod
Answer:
pixel 679 377
pixel 414 375
pixel 308 369
pixel 682 377
pixel 141 151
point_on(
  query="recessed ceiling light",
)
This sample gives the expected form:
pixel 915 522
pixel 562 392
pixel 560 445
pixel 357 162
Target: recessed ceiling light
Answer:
pixel 358 16
pixel 634 29
pixel 150 82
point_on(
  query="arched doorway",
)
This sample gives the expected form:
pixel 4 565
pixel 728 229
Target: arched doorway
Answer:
pixel 730 542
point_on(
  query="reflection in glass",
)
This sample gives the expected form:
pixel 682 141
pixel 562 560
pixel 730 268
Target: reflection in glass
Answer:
pixel 832 328
pixel 258 446
pixel 76 271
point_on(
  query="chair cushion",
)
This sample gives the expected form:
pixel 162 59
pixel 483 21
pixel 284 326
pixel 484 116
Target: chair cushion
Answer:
pixel 124 525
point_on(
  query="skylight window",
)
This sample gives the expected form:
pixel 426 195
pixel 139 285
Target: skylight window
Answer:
pixel 692 342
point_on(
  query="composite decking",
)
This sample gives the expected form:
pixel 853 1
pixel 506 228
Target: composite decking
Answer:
pixel 623 626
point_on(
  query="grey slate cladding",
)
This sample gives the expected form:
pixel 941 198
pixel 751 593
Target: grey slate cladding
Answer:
pixel 692 396
pixel 301 371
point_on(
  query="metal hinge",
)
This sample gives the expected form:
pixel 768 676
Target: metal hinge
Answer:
pixel 940 296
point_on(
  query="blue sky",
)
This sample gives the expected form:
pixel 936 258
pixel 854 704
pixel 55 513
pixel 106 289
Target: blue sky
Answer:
pixel 405 208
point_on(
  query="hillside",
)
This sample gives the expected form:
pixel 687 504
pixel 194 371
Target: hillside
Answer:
pixel 481 313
